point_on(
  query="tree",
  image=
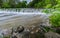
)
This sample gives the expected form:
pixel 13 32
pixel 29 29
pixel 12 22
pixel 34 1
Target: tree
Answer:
pixel 6 5
pixel 1 3
pixel 12 3
pixel 22 4
pixel 42 3
pixel 34 3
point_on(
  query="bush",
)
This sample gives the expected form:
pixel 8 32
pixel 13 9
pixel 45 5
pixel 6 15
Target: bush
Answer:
pixel 55 19
pixel 47 11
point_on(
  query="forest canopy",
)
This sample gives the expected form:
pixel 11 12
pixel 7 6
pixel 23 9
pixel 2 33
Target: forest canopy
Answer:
pixel 33 4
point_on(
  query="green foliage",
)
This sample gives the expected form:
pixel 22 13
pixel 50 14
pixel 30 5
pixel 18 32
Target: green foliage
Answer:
pixel 1 3
pixel 6 5
pixel 55 19
pixel 47 11
pixel 33 4
pixel 42 3
pixel 48 6
pixel 12 4
pixel 21 4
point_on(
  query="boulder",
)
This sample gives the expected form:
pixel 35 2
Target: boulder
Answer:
pixel 51 35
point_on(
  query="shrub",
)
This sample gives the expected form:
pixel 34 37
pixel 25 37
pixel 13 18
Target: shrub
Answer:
pixel 55 19
pixel 47 11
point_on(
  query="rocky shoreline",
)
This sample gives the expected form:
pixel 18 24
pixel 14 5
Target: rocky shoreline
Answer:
pixel 32 32
pixel 29 26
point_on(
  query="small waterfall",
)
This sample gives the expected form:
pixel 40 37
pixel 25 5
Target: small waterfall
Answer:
pixel 13 17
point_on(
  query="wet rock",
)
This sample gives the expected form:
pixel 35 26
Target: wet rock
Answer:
pixel 18 29
pixel 13 32
pixel 51 35
pixel 6 33
pixel 13 37
pixel 34 32
pixel 31 32
pixel 16 32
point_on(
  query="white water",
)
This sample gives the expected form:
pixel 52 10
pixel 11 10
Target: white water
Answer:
pixel 7 14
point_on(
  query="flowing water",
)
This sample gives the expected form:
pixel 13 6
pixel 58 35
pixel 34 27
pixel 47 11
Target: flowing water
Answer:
pixel 11 18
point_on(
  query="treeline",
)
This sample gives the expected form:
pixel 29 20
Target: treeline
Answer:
pixel 12 4
pixel 32 4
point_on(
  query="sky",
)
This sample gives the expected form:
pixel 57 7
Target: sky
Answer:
pixel 27 0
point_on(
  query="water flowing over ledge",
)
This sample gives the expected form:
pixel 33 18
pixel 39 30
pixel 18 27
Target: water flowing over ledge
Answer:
pixel 13 19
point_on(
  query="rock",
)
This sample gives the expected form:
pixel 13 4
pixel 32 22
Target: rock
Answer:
pixel 6 33
pixel 13 37
pixel 16 32
pixel 13 32
pixel 58 30
pixel 36 32
pixel 18 29
pixel 31 32
pixel 51 35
